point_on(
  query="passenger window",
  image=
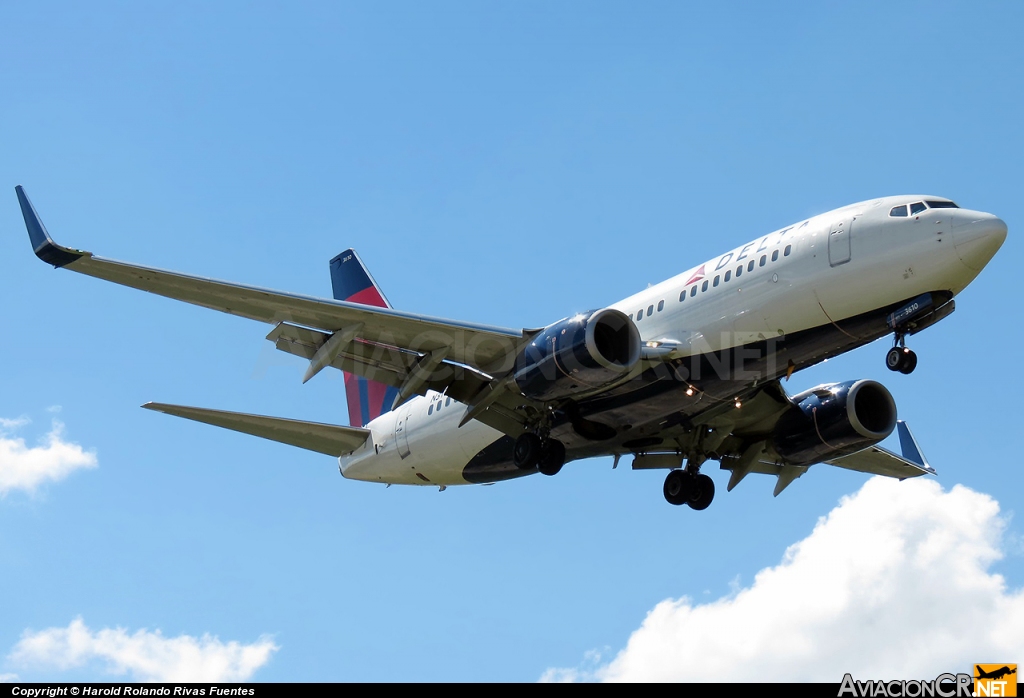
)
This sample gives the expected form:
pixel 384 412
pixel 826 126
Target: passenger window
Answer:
pixel 682 295
pixel 739 270
pixel 661 306
pixel 716 282
pixel 704 286
pixel 917 208
pixel 693 291
pixel 728 275
pixel 764 258
pixel 640 315
pixel 898 212
pixel 750 267
pixel 650 310
pixel 789 248
pixel 430 410
pixel 447 401
pixel 775 256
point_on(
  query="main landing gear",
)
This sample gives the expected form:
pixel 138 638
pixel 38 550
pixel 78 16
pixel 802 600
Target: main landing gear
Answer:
pixel 531 451
pixel 693 489
pixel 900 358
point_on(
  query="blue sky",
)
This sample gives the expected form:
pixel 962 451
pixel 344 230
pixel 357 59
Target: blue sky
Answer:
pixel 505 164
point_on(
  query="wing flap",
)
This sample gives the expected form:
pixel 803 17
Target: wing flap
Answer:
pixel 384 364
pixel 328 439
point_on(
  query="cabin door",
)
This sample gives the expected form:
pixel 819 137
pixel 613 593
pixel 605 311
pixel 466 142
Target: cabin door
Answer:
pixel 839 242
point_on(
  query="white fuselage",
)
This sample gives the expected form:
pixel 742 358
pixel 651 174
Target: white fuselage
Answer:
pixel 840 264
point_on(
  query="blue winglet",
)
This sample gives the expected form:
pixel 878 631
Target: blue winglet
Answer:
pixel 908 445
pixel 44 247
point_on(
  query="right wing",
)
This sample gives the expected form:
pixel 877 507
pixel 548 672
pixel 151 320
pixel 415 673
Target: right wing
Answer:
pixel 880 461
pixel 413 352
pixel 746 436
pixel 323 438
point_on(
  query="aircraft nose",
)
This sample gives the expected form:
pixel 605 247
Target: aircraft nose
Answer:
pixel 978 238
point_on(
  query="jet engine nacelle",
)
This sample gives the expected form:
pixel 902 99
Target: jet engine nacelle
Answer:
pixel 833 419
pixel 578 354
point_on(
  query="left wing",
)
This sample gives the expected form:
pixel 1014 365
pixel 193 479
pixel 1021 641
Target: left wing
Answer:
pixel 480 346
pixel 415 352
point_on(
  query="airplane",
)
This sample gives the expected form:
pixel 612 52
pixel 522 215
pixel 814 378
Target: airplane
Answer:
pixel 682 373
pixel 996 674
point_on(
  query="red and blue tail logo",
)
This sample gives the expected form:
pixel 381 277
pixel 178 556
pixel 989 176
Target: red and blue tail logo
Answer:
pixel 367 399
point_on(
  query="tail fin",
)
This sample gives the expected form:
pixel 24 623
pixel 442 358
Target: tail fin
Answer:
pixel 367 399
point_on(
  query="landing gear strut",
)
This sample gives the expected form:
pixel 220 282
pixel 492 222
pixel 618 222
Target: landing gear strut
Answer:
pixel 900 358
pixel 531 451
pixel 693 489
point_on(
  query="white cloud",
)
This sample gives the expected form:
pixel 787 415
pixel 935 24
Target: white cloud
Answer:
pixel 145 655
pixel 12 424
pixel 25 468
pixel 584 672
pixel 8 678
pixel 894 583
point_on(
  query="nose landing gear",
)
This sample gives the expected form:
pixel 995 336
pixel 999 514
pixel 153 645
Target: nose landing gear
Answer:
pixel 900 358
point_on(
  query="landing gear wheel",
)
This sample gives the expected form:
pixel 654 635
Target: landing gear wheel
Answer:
pixel 552 457
pixel 527 451
pixel 893 358
pixel 901 359
pixel 908 362
pixel 704 492
pixel 679 487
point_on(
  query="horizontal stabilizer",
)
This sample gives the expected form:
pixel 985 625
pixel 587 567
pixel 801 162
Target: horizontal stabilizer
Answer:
pixel 323 438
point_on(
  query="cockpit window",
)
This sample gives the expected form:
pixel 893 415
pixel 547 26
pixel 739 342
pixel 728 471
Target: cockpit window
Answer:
pixel 899 211
pixel 917 207
pixel 941 204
